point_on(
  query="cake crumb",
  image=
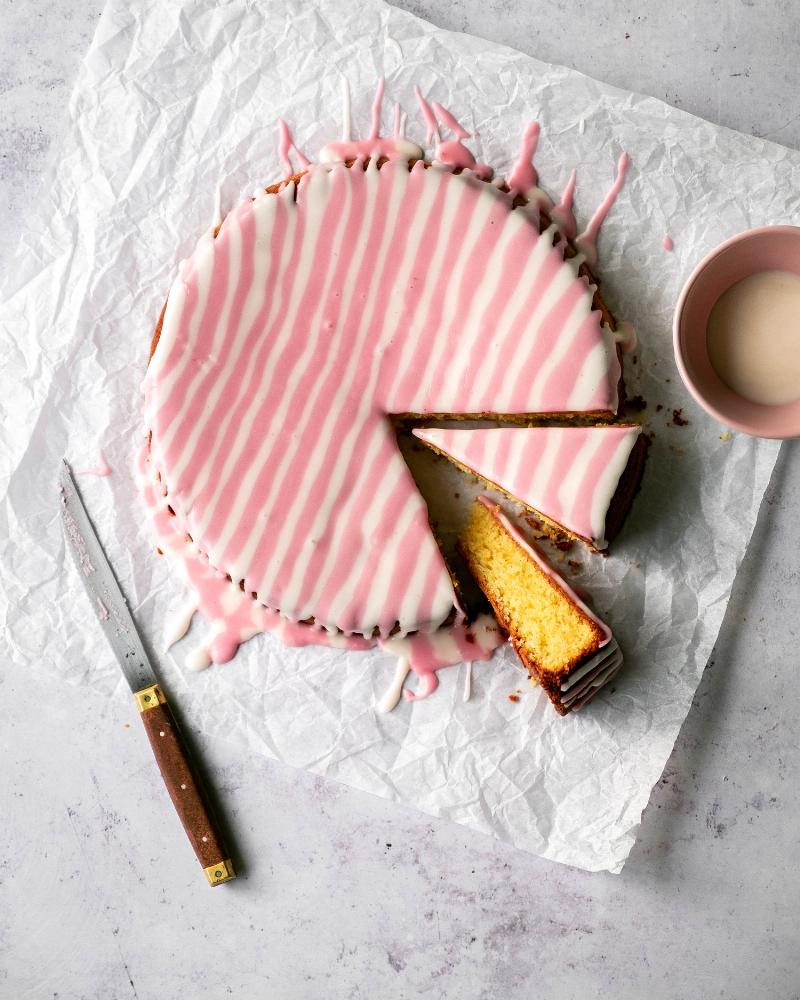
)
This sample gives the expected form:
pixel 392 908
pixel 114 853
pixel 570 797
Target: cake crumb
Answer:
pixel 627 36
pixel 126 725
pixel 513 697
pixel 636 403
pixel 678 451
pixel 678 418
pixel 659 408
pixel 457 495
pixel 726 436
pixel 574 565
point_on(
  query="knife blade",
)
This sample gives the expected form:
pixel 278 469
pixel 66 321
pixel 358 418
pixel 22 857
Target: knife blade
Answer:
pixel 119 627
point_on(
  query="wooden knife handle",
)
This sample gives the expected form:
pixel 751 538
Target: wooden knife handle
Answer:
pixel 183 786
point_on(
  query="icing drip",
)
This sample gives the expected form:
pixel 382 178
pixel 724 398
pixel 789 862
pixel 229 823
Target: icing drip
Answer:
pixel 523 179
pixel 179 625
pixel 587 241
pixel 101 469
pixel 452 153
pixel 523 176
pixel 625 336
pixel 377 105
pixel 468 680
pixel 562 214
pixel 347 114
pixel 391 699
pixel 668 244
pixel 427 654
pixel 569 474
pixel 395 148
pixel 285 147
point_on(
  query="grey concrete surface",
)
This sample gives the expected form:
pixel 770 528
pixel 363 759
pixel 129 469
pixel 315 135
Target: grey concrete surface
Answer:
pixel 347 896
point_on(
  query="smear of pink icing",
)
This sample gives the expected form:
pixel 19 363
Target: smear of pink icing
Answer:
pixel 101 469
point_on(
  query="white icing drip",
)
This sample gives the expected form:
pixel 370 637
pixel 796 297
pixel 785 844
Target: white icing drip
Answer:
pixel 391 698
pixel 468 680
pixel 347 124
pixel 178 624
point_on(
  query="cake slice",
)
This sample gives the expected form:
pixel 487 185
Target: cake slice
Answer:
pixel 581 480
pixel 562 644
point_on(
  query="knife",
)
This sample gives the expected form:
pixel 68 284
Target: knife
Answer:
pixel 116 620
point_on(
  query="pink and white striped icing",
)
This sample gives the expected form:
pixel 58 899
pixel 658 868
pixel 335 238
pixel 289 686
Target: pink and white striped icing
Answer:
pixel 290 340
pixel 569 474
pixel 235 617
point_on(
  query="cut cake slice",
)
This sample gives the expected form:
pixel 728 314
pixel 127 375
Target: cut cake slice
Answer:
pixel 562 644
pixel 580 479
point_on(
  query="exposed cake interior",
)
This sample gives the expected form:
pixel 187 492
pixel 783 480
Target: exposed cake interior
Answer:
pixel 551 631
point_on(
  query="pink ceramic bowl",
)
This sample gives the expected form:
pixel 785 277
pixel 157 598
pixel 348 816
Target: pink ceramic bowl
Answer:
pixel 766 249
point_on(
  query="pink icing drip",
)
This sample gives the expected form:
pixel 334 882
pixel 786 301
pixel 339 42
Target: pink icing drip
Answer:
pixel 668 244
pixel 587 241
pixel 562 213
pixel 523 177
pixel 426 657
pixel 101 469
pixel 286 146
pixel 450 121
pixel 453 153
pixel 428 117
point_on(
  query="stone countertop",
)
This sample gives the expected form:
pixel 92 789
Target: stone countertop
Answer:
pixel 349 896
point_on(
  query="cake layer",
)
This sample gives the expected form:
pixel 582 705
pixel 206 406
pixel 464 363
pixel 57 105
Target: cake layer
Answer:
pixel 316 313
pixel 564 646
pixel 569 475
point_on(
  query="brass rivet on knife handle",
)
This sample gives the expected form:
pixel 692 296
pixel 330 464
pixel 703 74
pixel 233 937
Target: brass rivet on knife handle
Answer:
pixel 216 874
pixel 149 697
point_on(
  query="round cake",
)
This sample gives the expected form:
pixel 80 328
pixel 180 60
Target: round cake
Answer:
pixel 371 286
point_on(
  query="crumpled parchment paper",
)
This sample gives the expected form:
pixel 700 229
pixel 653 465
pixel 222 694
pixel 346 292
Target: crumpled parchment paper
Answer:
pixel 175 100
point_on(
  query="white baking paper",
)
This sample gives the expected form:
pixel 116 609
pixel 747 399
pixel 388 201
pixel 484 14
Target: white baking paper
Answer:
pixel 177 99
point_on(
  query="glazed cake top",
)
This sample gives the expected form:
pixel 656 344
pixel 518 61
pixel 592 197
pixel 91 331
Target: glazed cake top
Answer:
pixel 316 313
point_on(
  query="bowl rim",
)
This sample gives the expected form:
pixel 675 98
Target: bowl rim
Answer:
pixel 677 338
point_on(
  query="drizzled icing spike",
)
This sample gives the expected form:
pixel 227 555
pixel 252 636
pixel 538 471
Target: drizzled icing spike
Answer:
pixel 347 113
pixel 395 148
pixel 286 146
pixel 377 105
pixel 428 117
pixel 568 474
pixel 523 177
pixel 450 121
pixel 587 241
pixel 450 152
pixel 562 213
